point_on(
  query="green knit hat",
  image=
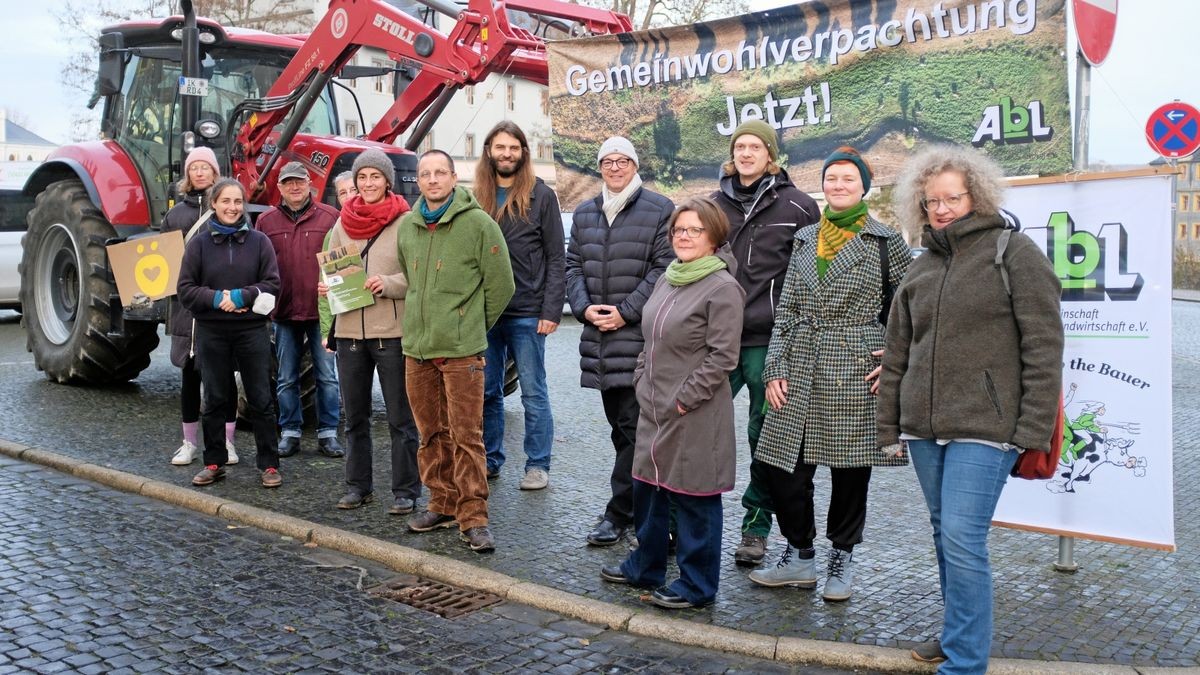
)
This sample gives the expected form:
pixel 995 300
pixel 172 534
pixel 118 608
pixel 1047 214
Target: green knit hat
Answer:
pixel 841 155
pixel 763 131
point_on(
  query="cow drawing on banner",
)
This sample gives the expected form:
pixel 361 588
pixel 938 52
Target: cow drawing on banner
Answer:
pixel 1087 445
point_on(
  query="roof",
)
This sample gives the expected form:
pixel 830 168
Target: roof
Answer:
pixel 15 134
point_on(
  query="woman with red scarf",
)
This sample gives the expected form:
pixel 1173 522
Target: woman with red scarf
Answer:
pixel 368 339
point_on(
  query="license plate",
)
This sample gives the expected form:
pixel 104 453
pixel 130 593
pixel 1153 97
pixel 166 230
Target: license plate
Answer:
pixel 193 86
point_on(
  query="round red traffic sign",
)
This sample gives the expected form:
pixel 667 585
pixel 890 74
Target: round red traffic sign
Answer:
pixel 1095 25
pixel 1173 130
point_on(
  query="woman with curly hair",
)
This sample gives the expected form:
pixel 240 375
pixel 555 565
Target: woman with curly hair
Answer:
pixel 971 375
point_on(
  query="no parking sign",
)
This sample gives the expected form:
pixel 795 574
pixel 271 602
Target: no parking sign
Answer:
pixel 1173 130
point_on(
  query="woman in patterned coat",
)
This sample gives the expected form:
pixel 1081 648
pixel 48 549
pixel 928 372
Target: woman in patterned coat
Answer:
pixel 823 354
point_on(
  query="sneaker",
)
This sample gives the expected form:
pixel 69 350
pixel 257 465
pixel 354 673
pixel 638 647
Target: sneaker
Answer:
pixel 480 539
pixel 428 520
pixel 841 573
pixel 535 479
pixel 791 570
pixel 402 506
pixel 232 452
pixel 355 499
pixel 330 447
pixel 929 652
pixel 271 478
pixel 209 475
pixel 185 455
pixel 667 599
pixel 751 551
pixel 288 446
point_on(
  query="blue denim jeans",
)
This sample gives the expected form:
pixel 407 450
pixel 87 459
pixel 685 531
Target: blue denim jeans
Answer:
pixel 697 542
pixel 962 483
pixel 517 337
pixel 289 343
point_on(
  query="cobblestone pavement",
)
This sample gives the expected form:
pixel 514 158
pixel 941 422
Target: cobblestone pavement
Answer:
pixel 1126 605
pixel 98 581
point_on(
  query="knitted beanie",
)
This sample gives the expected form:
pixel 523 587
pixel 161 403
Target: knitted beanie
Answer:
pixel 374 158
pixel 619 145
pixel 202 154
pixel 848 154
pixel 763 131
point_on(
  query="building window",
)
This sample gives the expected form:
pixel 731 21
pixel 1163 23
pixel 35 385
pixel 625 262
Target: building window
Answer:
pixel 546 102
pixel 426 144
pixel 1196 231
pixel 1182 231
pixel 545 151
pixel 511 93
pixel 352 129
pixel 470 94
pixel 469 146
pixel 383 83
pixel 1183 203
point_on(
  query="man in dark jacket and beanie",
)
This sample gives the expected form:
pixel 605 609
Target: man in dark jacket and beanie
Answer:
pixel 619 247
pixel 764 211
pixel 528 215
pixel 297 229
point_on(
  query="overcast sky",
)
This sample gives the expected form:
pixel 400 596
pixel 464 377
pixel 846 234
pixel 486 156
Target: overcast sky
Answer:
pixel 1152 62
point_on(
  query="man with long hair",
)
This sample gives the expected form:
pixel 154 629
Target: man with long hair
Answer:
pixel 527 211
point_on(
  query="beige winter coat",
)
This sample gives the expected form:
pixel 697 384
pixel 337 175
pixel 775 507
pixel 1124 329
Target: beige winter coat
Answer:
pixel 382 319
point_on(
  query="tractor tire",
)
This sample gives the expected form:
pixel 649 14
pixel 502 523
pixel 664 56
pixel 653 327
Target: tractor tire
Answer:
pixel 511 383
pixel 308 391
pixel 65 294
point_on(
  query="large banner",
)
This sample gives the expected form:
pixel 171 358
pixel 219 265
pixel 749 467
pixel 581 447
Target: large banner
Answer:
pixel 1110 242
pixel 884 76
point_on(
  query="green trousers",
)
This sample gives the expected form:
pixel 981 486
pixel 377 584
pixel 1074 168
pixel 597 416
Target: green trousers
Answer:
pixel 756 499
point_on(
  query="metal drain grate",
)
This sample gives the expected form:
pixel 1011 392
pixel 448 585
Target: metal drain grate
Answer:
pixel 432 596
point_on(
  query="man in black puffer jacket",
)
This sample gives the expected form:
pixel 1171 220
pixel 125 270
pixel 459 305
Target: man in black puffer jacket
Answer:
pixel 619 247
pixel 764 211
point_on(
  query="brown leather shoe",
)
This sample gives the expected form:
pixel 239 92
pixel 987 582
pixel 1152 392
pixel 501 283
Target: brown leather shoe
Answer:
pixel 209 475
pixel 271 478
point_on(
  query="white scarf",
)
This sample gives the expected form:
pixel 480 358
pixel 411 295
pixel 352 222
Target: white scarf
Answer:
pixel 615 203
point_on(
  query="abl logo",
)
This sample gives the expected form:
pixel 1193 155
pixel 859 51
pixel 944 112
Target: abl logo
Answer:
pixel 1090 266
pixel 1005 123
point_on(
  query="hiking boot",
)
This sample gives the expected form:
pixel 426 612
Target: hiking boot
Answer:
pixel 841 573
pixel 535 479
pixel 289 445
pixel 929 652
pixel 402 506
pixel 209 475
pixel 231 452
pixel 480 539
pixel 185 455
pixel 330 447
pixel 791 570
pixel 355 499
pixel 751 551
pixel 428 520
pixel 271 478
pixel 606 533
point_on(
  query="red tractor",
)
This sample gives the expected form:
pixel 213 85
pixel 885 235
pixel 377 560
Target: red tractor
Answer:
pixel 259 100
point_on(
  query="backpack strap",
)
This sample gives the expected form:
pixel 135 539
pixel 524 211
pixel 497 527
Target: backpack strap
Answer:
pixel 1001 247
pixel 886 292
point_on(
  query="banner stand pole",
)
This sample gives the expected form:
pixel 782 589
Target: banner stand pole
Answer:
pixel 1083 99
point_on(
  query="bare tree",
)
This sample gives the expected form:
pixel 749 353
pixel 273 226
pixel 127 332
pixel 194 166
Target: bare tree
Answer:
pixel 657 13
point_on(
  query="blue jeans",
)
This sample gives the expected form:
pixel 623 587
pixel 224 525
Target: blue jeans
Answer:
pixel 518 337
pixel 697 542
pixel 962 483
pixel 289 343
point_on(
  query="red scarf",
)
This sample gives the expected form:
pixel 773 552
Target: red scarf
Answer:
pixel 361 220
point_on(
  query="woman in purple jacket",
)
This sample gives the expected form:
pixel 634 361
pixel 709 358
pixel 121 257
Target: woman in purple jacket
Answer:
pixel 228 280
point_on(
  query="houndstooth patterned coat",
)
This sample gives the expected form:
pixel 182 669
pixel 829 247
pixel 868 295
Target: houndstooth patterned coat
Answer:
pixel 825 331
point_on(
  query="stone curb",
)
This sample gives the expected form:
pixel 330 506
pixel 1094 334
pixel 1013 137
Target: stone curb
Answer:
pixel 642 623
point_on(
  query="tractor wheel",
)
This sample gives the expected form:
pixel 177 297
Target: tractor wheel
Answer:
pixel 308 391
pixel 65 294
pixel 510 377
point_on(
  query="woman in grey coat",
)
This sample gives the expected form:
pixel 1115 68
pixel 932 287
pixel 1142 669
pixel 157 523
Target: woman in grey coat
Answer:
pixel 823 353
pixel 685 455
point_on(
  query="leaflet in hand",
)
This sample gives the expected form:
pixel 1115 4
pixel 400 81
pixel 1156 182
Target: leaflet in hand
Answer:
pixel 343 271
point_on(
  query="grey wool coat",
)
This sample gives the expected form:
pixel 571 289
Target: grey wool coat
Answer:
pixel 693 336
pixel 825 331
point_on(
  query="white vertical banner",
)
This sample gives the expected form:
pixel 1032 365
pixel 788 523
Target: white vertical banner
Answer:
pixel 1109 238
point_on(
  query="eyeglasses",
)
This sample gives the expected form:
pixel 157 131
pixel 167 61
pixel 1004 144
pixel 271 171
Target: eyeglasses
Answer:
pixel 619 163
pixel 440 173
pixel 689 232
pixel 951 201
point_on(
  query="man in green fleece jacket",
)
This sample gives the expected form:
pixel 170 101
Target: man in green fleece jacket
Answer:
pixel 459 282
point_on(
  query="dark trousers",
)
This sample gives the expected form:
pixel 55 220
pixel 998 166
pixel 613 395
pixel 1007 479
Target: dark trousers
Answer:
pixel 697 541
pixel 247 349
pixel 357 363
pixel 792 495
pixel 621 409
pixel 189 395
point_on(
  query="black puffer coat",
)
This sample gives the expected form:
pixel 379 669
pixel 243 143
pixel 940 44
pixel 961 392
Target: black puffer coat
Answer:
pixel 182 217
pixel 616 265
